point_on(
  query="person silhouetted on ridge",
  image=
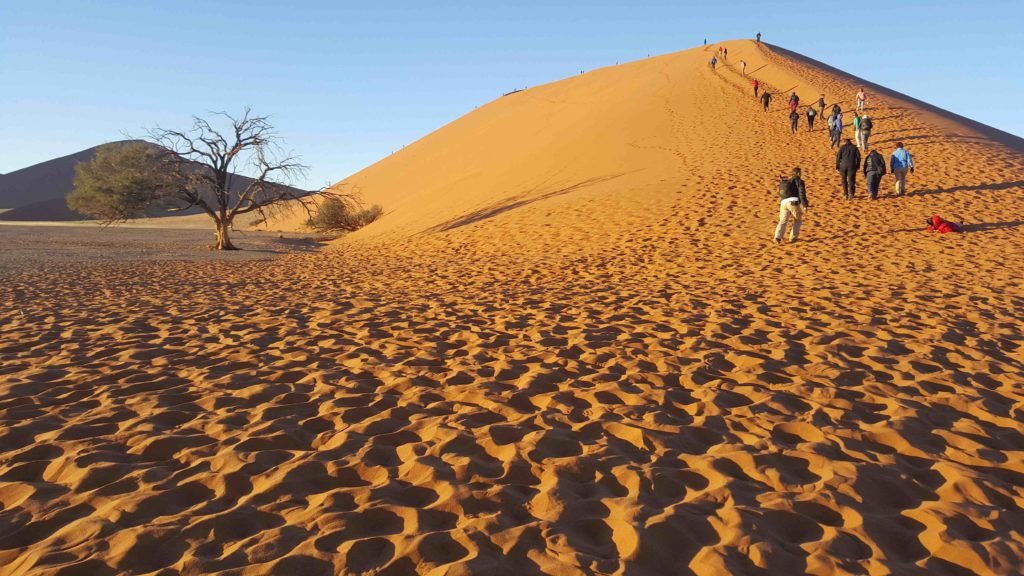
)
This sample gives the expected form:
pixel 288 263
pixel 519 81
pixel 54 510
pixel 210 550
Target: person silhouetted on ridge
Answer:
pixel 899 163
pixel 793 203
pixel 874 169
pixel 847 163
pixel 758 37
pixel 766 99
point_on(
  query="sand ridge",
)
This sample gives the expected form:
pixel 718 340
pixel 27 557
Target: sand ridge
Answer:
pixel 597 366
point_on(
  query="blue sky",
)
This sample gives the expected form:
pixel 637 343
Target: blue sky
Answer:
pixel 348 82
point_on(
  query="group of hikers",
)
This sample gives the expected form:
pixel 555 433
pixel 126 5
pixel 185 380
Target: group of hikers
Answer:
pixel 793 191
pixel 723 53
pixel 849 159
pixel 862 122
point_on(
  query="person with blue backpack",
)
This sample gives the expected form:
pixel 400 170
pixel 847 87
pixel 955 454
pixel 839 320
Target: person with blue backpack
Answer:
pixel 899 163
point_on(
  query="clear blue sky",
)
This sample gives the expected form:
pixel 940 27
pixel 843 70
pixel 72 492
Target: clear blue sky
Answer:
pixel 348 82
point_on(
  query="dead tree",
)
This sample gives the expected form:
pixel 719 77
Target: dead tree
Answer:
pixel 205 161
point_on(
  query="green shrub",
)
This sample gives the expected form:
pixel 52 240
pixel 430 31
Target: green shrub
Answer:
pixel 121 182
pixel 337 215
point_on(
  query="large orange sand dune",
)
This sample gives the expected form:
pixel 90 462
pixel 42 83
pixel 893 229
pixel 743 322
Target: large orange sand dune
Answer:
pixel 568 348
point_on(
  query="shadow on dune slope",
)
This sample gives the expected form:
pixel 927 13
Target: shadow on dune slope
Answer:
pixel 517 202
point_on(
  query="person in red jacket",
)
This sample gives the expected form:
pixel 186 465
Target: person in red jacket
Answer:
pixel 937 224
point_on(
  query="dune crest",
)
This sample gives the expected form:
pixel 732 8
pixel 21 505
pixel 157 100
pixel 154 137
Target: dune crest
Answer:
pixel 569 347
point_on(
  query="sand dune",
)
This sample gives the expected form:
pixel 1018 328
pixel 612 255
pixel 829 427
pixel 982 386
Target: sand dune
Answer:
pixel 568 348
pixel 41 182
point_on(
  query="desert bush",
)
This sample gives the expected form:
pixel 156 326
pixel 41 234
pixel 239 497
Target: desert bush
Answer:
pixel 338 215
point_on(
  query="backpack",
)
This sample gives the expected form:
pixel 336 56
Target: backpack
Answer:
pixel 865 124
pixel 874 163
pixel 811 112
pixel 784 188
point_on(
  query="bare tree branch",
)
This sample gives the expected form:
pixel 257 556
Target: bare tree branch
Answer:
pixel 208 160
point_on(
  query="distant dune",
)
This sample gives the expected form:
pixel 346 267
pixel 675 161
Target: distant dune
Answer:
pixel 38 192
pixel 41 182
pixel 569 347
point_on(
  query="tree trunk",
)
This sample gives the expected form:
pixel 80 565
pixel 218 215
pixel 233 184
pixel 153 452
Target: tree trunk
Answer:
pixel 223 240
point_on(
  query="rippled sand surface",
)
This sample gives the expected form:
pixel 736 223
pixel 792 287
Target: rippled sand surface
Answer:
pixel 569 347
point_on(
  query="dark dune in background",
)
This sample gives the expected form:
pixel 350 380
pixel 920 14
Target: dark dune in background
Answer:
pixel 37 193
pixel 41 182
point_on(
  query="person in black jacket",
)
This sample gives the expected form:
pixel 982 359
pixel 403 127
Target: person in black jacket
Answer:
pixel 874 169
pixel 811 114
pixel 793 204
pixel 766 99
pixel 847 163
pixel 794 120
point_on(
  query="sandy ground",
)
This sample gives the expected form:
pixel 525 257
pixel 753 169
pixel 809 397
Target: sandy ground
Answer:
pixel 577 354
pixel 46 245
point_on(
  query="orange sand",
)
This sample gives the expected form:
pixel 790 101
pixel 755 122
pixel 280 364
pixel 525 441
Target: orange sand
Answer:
pixel 568 348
